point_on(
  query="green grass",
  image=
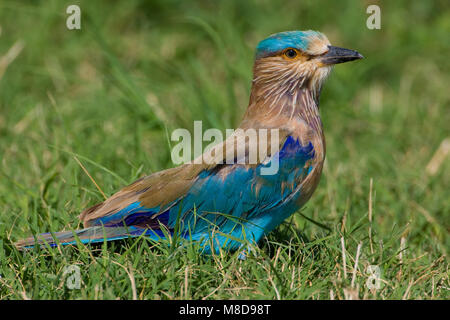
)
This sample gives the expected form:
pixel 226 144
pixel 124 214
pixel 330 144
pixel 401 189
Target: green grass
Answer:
pixel 112 92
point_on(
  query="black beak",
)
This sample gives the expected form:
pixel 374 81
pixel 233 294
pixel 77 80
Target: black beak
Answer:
pixel 337 55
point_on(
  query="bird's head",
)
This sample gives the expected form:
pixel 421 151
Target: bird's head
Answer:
pixel 292 60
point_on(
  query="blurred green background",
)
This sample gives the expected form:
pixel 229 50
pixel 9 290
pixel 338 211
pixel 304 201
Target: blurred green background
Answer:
pixel 113 92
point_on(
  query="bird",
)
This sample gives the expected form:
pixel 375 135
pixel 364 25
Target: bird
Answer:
pixel 223 204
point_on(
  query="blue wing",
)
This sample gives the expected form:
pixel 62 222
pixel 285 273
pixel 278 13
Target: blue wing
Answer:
pixel 234 201
pixel 224 198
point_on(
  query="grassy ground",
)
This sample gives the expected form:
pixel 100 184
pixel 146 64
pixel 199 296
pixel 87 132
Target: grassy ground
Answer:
pixel 111 92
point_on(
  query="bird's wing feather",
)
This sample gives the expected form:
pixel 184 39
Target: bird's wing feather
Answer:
pixel 159 191
pixel 207 191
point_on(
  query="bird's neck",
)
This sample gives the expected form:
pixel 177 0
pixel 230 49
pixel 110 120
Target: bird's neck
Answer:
pixel 271 103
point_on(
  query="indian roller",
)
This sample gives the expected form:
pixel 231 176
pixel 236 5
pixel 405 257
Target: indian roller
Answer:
pixel 223 204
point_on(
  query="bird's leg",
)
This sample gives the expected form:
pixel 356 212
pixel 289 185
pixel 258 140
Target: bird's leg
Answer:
pixel 246 250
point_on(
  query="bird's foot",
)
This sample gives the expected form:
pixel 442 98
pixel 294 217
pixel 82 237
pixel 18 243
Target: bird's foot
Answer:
pixel 244 253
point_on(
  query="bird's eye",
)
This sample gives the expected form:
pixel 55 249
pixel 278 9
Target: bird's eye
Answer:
pixel 290 53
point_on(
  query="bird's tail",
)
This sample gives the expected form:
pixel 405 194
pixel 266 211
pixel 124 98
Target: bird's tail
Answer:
pixel 88 235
